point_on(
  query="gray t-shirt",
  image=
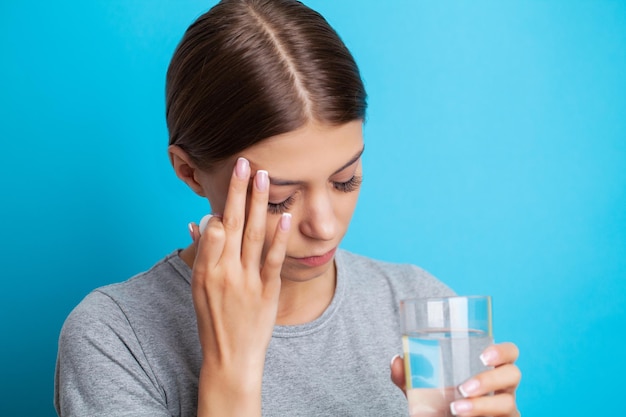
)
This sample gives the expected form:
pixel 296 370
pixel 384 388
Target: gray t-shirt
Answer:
pixel 132 349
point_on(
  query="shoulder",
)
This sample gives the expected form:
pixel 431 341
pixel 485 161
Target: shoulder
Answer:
pixel 97 321
pixel 404 280
pixel 104 363
pixel 114 308
pixel 106 343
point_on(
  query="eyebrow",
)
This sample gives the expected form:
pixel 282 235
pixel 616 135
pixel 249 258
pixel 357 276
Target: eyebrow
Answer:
pixel 278 181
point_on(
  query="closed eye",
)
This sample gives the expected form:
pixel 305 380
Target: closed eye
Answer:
pixel 352 184
pixel 282 207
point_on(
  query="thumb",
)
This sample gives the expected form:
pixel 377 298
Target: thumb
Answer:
pixel 397 372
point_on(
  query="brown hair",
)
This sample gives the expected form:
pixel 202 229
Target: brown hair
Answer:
pixel 250 69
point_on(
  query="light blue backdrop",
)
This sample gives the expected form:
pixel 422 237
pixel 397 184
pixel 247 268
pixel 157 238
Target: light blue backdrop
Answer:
pixel 496 159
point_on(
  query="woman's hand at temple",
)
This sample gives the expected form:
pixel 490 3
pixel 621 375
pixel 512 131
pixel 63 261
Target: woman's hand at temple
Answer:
pixel 235 291
pixel 502 380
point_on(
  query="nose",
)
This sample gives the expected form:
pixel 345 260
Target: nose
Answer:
pixel 318 219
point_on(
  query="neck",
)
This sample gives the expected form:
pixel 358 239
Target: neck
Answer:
pixel 299 302
pixel 303 302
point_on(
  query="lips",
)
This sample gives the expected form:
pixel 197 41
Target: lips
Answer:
pixel 317 260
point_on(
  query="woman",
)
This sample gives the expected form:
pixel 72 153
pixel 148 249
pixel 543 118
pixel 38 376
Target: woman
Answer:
pixel 262 314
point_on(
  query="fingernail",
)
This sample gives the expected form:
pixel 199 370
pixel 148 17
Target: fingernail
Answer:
pixel 190 227
pixel 261 180
pixel 285 221
pixel 469 387
pixel 393 360
pixel 204 222
pixel 461 406
pixel 488 357
pixel 242 168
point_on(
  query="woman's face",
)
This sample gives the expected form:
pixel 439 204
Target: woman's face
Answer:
pixel 315 174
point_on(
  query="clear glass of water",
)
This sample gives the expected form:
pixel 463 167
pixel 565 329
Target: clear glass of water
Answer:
pixel 442 341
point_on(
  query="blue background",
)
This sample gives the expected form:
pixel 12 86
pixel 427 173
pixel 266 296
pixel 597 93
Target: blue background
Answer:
pixel 496 159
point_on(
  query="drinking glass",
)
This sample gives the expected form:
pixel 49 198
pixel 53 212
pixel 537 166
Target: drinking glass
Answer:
pixel 442 339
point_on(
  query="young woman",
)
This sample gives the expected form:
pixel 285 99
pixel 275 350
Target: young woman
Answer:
pixel 262 314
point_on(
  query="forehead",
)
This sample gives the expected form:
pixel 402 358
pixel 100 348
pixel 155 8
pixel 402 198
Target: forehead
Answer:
pixel 313 150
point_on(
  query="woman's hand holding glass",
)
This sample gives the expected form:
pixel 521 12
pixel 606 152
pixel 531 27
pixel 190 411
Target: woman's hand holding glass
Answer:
pixel 502 381
pixel 235 289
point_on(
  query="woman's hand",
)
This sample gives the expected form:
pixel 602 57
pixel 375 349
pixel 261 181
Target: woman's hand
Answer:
pixel 502 381
pixel 235 294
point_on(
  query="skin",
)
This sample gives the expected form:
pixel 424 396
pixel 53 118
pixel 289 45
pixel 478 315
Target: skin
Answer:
pixel 248 271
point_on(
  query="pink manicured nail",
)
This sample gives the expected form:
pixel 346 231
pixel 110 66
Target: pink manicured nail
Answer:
pixel 242 168
pixel 469 387
pixel 488 357
pixel 285 222
pixel 190 227
pixel 460 406
pixel 261 180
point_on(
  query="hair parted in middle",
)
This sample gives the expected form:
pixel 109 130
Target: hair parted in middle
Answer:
pixel 247 70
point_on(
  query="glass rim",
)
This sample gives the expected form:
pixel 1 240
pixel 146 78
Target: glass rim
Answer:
pixel 416 300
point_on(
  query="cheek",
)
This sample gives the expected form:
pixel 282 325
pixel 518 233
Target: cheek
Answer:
pixel 345 207
pixel 215 187
pixel 217 200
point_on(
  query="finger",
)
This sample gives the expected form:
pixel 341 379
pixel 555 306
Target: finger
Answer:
pixel 273 263
pixel 210 246
pixel 254 235
pixel 397 372
pixel 190 227
pixel 502 378
pixel 496 355
pixel 235 207
pixel 194 233
pixel 495 405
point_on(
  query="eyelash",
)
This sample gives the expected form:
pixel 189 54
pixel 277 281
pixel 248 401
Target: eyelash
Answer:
pixel 279 208
pixel 346 187
pixel 351 185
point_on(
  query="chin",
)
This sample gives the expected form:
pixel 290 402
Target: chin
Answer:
pixel 300 273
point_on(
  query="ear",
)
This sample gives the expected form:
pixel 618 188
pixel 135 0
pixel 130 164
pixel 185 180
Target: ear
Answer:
pixel 185 169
